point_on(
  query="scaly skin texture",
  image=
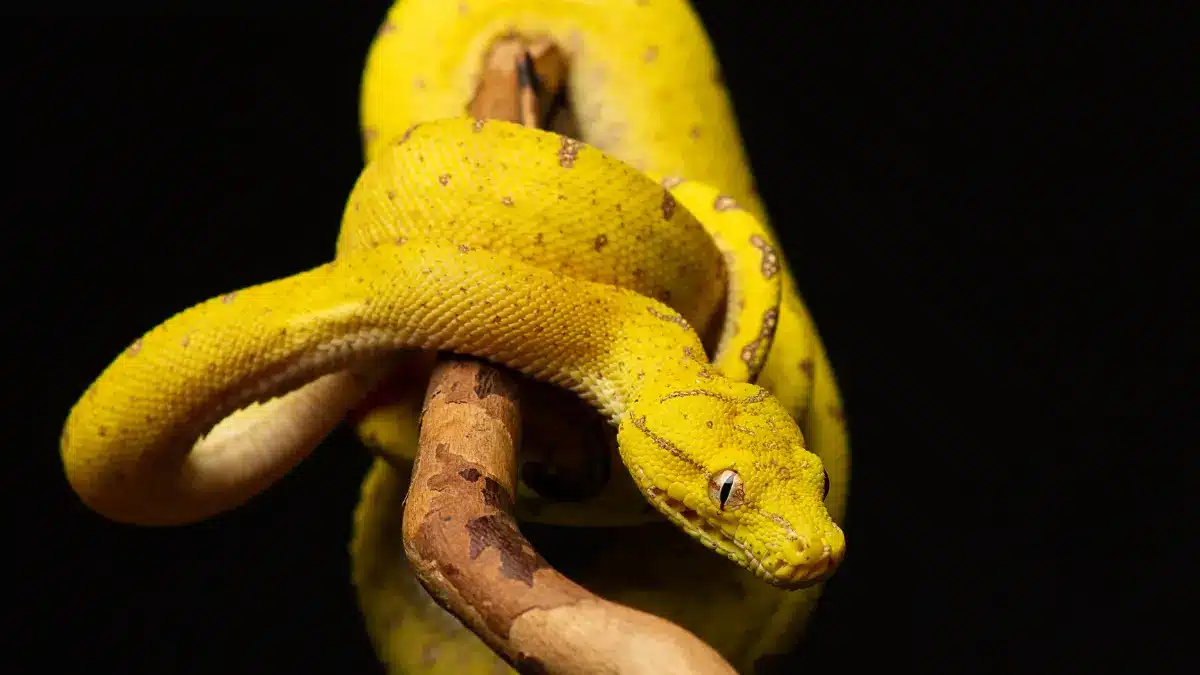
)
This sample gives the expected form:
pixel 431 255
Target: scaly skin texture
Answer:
pixel 647 88
pixel 681 424
pixel 642 78
pixel 129 446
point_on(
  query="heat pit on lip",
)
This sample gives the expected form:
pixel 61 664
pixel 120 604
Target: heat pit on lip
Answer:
pixel 690 515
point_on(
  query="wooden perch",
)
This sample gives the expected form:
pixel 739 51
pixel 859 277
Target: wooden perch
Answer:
pixel 459 531
pixel 466 548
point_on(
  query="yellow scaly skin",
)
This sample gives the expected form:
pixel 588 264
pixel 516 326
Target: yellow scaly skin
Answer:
pixel 126 443
pixel 637 360
pixel 647 87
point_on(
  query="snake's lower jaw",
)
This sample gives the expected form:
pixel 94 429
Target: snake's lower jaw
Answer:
pixel 794 577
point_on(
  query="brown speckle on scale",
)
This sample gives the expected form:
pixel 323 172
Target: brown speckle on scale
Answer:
pixel 770 261
pixel 765 333
pixel 670 318
pixel 478 125
pixel 806 367
pixel 705 372
pixel 640 424
pixel 725 203
pixel 758 397
pixel 694 132
pixel 651 54
pixel 601 242
pixel 444 179
pixel 568 152
pixel 135 347
pixel 228 297
pixel 668 205
pixel 506 200
pixel 407 133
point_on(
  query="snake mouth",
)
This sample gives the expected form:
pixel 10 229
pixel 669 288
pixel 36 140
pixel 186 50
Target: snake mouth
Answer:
pixel 774 571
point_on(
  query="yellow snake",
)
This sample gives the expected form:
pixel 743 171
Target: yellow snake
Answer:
pixel 535 251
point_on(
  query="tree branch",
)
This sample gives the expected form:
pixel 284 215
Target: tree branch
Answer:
pixel 459 531
pixel 466 548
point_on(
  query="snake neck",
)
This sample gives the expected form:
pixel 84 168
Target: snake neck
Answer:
pixel 638 375
pixel 640 359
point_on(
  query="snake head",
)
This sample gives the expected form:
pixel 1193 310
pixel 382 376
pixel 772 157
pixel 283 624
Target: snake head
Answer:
pixel 727 464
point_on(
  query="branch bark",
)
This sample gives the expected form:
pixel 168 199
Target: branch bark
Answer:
pixel 459 531
pixel 466 548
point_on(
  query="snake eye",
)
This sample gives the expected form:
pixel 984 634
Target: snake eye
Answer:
pixel 826 492
pixel 725 489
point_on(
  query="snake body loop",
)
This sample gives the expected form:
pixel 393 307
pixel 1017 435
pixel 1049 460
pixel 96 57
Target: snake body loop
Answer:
pixel 556 257
pixel 478 290
pixel 645 87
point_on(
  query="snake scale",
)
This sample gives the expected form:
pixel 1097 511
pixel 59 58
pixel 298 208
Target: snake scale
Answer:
pixel 597 265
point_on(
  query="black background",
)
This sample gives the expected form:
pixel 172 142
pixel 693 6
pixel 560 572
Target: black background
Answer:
pixel 981 212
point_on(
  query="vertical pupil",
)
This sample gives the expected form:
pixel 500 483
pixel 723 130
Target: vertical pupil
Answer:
pixel 726 488
pixel 826 486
